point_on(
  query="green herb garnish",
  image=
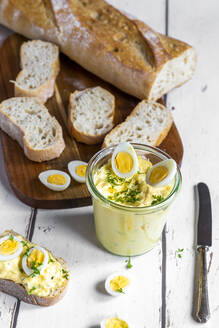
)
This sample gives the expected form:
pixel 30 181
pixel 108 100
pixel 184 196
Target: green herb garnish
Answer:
pixel 52 277
pixel 31 290
pixel 179 252
pixel 129 195
pixel 24 243
pixel 65 274
pixel 120 290
pixel 11 237
pixel 140 172
pixel 129 265
pixel 27 251
pixel 157 199
pixel 114 180
pixel 34 267
pixel 50 260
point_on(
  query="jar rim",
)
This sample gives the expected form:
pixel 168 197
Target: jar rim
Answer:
pixel 149 208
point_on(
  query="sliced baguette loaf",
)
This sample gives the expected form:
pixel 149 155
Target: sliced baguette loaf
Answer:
pixel 147 124
pixel 91 114
pixel 28 121
pixel 17 289
pixel 40 66
pixel 125 52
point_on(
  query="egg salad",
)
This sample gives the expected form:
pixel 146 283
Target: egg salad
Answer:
pixel 30 265
pixel 132 191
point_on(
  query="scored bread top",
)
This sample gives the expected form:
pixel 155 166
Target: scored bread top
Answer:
pixel 147 124
pixel 125 52
pixel 29 122
pixel 91 114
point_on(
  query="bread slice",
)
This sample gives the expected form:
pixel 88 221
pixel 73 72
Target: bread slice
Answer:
pixel 124 52
pixel 18 290
pixel 28 121
pixel 40 66
pixel 91 114
pixel 147 124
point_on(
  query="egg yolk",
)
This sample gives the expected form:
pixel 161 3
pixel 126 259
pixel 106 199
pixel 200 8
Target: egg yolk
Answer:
pixel 119 282
pixel 8 247
pixel 124 162
pixel 158 174
pixel 36 256
pixel 81 170
pixel 57 179
pixel 116 323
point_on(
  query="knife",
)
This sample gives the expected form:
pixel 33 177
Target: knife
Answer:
pixel 204 241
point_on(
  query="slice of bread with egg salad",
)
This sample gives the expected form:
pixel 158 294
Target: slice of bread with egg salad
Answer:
pixel 30 272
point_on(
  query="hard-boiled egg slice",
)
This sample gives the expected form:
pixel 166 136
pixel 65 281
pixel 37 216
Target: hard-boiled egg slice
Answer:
pixel 114 322
pixel 37 257
pixel 124 160
pixel 77 169
pixel 55 180
pixel 10 247
pixel 162 173
pixel 117 283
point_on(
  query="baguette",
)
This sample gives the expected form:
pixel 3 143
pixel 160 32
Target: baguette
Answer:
pixel 127 53
pixel 148 123
pixel 91 114
pixel 28 122
pixel 18 282
pixel 40 66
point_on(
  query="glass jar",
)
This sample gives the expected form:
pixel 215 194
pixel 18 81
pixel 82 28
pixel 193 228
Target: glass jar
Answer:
pixel 126 230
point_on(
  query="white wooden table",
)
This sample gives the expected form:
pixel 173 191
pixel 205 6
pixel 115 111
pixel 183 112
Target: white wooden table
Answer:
pixel 163 284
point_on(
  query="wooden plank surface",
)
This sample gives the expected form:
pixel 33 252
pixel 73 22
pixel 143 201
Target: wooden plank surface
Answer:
pixel 196 115
pixel 71 233
pixel 23 173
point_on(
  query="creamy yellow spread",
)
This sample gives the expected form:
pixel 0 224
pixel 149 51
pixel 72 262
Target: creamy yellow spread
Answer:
pixel 53 278
pixel 132 191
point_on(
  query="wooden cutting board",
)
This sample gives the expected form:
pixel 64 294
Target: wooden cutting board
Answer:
pixel 23 173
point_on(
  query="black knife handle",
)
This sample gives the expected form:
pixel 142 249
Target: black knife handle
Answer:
pixel 203 311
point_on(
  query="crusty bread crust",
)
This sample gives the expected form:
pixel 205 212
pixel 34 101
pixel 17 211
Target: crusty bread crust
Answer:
pixel 80 136
pixel 18 290
pixel 15 132
pixel 71 25
pixel 45 90
pixel 157 142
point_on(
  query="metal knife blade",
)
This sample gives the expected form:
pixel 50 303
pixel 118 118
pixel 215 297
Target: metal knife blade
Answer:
pixel 204 233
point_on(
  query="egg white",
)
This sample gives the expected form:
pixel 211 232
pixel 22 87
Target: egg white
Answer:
pixel 42 267
pixel 104 321
pixel 171 166
pixel 15 254
pixel 112 276
pixel 72 170
pixel 43 176
pixel 127 148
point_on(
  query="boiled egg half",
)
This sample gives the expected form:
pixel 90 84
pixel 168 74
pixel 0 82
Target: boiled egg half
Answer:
pixel 77 169
pixel 162 173
pixel 117 283
pixel 114 322
pixel 10 248
pixel 35 261
pixel 124 160
pixel 55 180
